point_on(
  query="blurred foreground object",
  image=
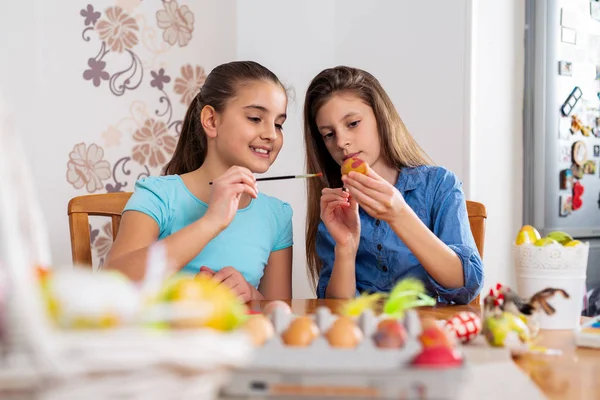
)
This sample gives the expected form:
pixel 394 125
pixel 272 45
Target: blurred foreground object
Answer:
pixel 42 356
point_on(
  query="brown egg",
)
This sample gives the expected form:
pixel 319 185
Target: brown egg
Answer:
pixel 301 332
pixel 344 333
pixel 260 329
pixel 271 306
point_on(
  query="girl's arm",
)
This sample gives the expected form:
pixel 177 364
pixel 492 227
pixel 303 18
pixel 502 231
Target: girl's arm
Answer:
pixel 447 252
pixel 439 260
pixel 276 282
pixel 339 214
pixel 342 282
pixel 138 231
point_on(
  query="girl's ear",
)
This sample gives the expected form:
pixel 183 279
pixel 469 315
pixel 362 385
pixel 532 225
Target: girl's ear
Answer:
pixel 208 119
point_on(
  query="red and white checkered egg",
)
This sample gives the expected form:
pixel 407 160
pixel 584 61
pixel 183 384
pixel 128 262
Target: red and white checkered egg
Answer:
pixel 466 326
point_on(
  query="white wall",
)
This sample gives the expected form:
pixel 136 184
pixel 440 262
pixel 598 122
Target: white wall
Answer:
pixel 419 51
pixel 497 128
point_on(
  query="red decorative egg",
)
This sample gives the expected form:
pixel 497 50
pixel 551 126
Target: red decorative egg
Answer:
pixel 466 326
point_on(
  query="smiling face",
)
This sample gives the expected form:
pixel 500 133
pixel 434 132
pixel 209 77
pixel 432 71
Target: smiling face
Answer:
pixel 249 131
pixel 349 129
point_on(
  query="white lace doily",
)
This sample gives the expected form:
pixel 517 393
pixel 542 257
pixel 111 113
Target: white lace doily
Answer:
pixel 553 259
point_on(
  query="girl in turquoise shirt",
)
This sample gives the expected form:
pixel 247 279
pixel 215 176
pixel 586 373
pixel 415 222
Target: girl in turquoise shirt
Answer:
pixel 404 218
pixel 232 129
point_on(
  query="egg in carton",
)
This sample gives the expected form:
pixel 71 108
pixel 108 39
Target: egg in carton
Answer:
pixel 326 355
pixel 324 341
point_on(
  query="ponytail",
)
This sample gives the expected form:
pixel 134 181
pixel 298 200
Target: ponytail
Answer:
pixel 191 147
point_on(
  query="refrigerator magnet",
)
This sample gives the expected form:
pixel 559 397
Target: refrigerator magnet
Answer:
pixel 566 179
pixel 570 102
pixel 589 167
pixel 577 171
pixel 565 68
pixel 596 130
pixel 596 150
pixel 576 124
pixel 565 205
pixel 577 201
pixel 579 153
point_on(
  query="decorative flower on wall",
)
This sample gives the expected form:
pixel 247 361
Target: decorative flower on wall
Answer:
pixel 159 79
pixel 177 22
pixel 140 143
pixel 118 29
pixel 119 33
pixel 190 82
pixel 86 167
pixel 103 242
pixel 128 5
pixel 96 73
pixel 112 136
pixel 156 145
pixel 90 15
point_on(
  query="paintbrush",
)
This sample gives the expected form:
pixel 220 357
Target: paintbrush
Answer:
pixel 276 178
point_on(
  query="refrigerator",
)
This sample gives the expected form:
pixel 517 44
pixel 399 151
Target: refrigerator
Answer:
pixel 562 122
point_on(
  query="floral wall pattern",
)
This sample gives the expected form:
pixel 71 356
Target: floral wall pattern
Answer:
pixel 128 49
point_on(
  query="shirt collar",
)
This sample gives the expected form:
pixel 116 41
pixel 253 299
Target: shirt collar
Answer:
pixel 408 179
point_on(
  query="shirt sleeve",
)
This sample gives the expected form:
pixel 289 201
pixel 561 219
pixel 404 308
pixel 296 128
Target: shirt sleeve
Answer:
pixel 451 225
pixel 149 198
pixel 285 233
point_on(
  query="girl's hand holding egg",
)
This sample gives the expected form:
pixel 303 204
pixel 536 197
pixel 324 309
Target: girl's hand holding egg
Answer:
pixel 379 198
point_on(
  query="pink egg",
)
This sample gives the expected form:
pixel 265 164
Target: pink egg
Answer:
pixel 466 325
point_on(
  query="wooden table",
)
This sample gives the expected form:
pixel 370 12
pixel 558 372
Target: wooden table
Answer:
pixel 573 375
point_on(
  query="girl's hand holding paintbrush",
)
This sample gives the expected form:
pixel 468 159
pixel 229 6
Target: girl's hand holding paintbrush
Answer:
pixel 228 189
pixel 226 193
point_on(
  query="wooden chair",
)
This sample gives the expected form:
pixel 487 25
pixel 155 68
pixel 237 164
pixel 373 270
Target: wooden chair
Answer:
pixel 80 209
pixel 477 216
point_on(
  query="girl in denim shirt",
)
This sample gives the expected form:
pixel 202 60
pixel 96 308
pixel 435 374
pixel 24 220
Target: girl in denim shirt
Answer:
pixel 404 218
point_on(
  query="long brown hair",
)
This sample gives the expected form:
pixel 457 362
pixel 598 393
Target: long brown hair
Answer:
pixel 220 85
pixel 398 147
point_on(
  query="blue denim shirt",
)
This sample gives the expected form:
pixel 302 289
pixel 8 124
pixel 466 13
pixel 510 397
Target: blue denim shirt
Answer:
pixel 435 194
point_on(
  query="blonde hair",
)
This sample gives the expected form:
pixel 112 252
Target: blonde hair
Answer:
pixel 398 147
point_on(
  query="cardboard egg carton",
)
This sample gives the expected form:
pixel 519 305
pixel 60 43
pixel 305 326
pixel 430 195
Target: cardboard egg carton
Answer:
pixel 319 370
pixel 321 356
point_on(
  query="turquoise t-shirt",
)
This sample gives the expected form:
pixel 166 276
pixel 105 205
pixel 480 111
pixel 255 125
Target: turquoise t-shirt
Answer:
pixel 262 227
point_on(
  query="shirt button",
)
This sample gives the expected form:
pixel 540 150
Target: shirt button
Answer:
pixel 379 247
pixel 377 222
pixel 384 268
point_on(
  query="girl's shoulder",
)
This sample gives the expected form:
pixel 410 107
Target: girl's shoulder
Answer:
pixel 279 208
pixel 428 176
pixel 160 185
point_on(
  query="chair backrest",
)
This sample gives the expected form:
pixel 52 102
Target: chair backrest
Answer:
pixel 477 216
pixel 80 209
